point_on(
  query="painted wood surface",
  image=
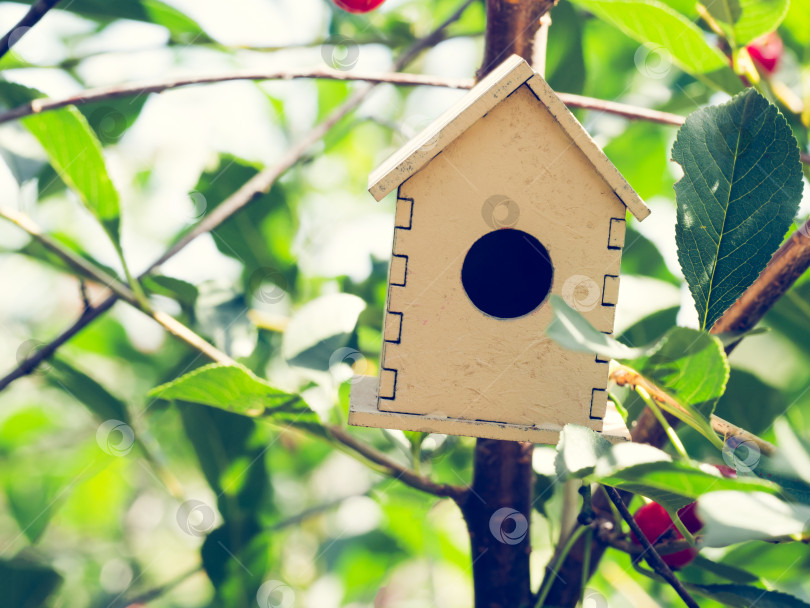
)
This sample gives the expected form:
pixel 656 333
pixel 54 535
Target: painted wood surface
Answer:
pixel 509 162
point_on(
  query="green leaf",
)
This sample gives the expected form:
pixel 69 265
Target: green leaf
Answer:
pixel 652 327
pixel 657 25
pixel 740 191
pixel 690 365
pixel 75 153
pixel 642 469
pixel 181 28
pixel 732 517
pixel 726 571
pixel 573 331
pixel 744 20
pixel 797 21
pixel 182 291
pixel 674 484
pixel 26 583
pixel 641 257
pixel 791 316
pixel 260 235
pixel 229 457
pixel 235 389
pixel 37 251
pixel 565 63
pixel 319 329
pixel 578 450
pixel 34 500
pixel 744 389
pixel 103 404
pixel 743 596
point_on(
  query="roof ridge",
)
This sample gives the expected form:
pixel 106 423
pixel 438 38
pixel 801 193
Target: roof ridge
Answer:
pixel 492 90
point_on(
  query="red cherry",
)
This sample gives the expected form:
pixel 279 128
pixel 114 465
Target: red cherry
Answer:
pixel 766 51
pixel 358 6
pixel 656 525
pixel 689 517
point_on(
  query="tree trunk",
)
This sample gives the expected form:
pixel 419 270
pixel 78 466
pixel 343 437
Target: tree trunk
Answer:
pixel 498 507
pixel 498 511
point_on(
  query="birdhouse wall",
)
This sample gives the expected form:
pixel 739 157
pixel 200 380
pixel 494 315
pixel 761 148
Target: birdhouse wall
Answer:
pixel 442 355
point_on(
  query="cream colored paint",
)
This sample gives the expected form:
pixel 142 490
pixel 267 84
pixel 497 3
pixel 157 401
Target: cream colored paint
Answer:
pixel 447 367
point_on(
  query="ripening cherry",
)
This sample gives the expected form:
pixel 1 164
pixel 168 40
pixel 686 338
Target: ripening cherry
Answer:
pixel 766 51
pixel 657 526
pixel 358 6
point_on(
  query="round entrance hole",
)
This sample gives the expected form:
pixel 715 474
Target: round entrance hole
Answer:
pixel 507 273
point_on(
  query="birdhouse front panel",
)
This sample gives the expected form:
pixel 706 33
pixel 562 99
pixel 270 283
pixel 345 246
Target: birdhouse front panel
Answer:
pixel 507 214
pixel 504 201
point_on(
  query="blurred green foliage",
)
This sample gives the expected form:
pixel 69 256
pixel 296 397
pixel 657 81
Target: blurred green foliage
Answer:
pixel 112 494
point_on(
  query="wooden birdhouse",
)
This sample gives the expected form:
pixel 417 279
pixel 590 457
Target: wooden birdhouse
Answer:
pixel 502 201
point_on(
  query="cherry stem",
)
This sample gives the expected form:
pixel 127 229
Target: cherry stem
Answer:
pixel 650 554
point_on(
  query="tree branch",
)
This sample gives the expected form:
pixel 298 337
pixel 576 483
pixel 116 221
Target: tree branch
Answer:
pixel 650 554
pixel 402 473
pixel 251 190
pixel 37 106
pixel 31 18
pixel 169 323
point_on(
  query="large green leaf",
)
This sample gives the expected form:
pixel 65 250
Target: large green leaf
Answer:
pixel 740 191
pixel 744 596
pixel 235 389
pixel 656 24
pixel 744 20
pixel 732 517
pixel 75 153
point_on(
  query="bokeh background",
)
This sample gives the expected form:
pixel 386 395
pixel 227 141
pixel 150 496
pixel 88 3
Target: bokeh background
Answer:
pixel 90 502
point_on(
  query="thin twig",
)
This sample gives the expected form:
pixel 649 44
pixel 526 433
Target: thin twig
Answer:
pixel 31 18
pixel 650 554
pixel 400 472
pixel 172 325
pixel 250 191
pixel 38 106
pixel 625 376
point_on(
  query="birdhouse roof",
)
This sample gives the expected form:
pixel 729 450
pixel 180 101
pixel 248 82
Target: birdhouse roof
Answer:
pixel 496 87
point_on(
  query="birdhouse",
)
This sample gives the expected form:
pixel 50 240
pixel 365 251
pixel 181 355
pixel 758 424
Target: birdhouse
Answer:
pixel 504 200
